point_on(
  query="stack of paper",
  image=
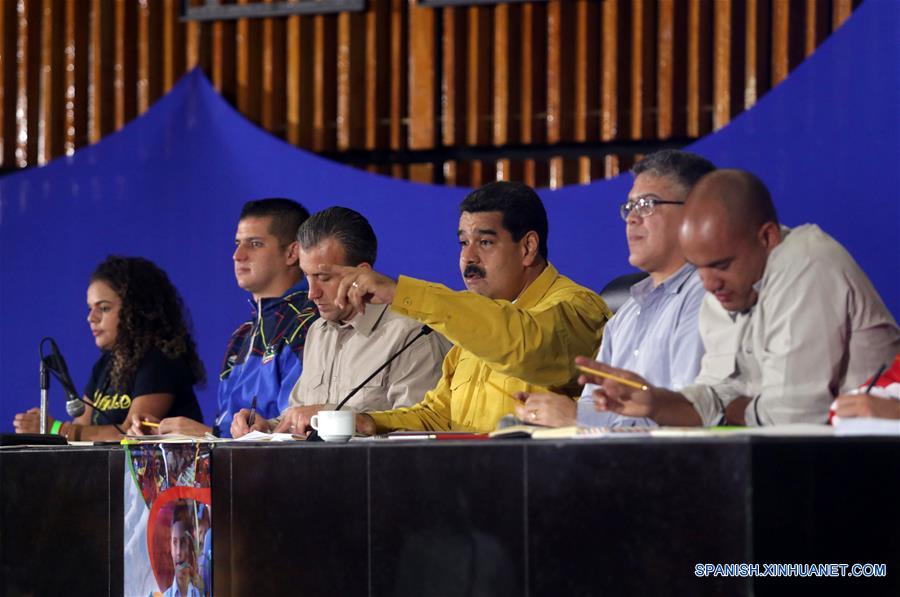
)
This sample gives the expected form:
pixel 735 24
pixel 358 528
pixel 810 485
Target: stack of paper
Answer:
pixel 866 426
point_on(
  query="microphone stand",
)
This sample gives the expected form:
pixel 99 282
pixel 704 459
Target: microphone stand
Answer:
pixel 59 370
pixel 314 435
pixel 45 385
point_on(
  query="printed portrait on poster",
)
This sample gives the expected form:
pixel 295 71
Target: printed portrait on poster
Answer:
pixel 168 521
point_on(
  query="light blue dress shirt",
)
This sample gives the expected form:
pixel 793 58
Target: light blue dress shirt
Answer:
pixel 655 334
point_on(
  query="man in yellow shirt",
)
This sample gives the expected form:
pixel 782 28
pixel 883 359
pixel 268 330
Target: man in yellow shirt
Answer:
pixel 518 328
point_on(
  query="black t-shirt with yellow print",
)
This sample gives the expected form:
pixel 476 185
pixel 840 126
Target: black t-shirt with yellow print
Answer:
pixel 156 374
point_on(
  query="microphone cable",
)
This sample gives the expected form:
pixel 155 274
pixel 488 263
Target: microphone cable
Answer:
pixel 314 435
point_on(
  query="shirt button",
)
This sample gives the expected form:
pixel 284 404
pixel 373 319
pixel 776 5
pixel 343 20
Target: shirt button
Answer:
pixel 638 311
pixel 636 352
pixel 407 301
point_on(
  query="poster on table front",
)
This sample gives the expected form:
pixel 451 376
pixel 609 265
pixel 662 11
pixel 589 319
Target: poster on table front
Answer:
pixel 168 521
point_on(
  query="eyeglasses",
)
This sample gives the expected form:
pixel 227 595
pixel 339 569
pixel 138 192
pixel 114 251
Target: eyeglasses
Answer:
pixel 645 205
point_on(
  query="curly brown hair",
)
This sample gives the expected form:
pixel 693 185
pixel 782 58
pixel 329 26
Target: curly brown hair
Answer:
pixel 152 315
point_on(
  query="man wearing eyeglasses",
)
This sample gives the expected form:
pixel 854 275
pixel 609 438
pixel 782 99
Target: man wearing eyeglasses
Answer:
pixel 655 332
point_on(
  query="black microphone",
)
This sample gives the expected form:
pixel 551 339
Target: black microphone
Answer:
pixel 57 364
pixel 314 435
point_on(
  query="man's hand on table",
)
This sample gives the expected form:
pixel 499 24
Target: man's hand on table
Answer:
pixel 663 406
pixel 550 410
pixel 240 424
pixel 296 419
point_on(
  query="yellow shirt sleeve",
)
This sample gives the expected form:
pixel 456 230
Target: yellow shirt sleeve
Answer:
pixel 500 348
pixel 537 344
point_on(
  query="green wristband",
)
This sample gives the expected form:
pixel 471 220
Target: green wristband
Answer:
pixel 54 429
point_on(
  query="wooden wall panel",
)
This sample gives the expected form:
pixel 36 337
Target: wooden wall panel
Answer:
pixel 125 63
pixel 586 115
pixel 247 60
pixel 841 12
pixel 399 90
pixel 375 98
pixel 474 86
pixel 503 85
pixel 533 53
pixel 51 115
pixel 479 100
pixel 222 71
pixel 643 63
pixel 560 85
pixel 101 57
pixel 722 62
pixel 817 26
pixel 27 81
pixel 324 106
pixel 453 84
pixel 423 43
pixel 8 80
pixel 78 75
pixel 699 102
pixel 612 77
pixel 273 115
pixel 143 57
pixel 665 70
pixel 298 88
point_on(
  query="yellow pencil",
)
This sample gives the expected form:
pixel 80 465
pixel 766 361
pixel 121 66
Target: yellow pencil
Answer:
pixel 149 423
pixel 621 380
pixel 501 390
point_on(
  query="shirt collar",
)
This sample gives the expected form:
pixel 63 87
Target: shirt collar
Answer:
pixel 270 303
pixel 671 285
pixel 535 291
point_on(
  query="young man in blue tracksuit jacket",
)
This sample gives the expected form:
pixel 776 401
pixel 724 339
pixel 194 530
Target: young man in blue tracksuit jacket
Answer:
pixel 265 354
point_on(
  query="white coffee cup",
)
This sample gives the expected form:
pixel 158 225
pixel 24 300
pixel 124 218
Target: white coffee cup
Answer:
pixel 334 425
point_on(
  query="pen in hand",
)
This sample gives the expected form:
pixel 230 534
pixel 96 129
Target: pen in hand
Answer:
pixel 875 377
pixel 252 418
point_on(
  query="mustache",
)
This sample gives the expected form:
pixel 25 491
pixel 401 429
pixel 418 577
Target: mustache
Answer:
pixel 473 270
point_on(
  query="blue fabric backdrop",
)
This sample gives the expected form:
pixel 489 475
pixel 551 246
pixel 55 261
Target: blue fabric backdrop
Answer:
pixel 169 187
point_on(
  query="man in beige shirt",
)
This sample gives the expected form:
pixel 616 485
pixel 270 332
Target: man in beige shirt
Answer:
pixel 789 320
pixel 342 350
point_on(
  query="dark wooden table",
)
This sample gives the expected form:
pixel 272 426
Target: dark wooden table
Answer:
pixel 626 516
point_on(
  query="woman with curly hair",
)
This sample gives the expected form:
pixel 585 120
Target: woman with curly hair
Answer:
pixel 149 361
